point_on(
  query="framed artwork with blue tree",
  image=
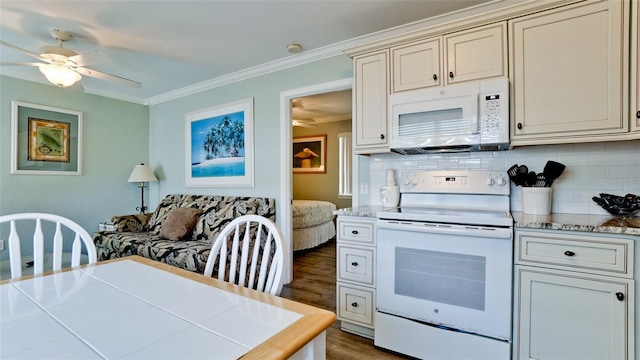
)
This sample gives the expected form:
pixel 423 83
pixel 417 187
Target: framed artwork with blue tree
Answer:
pixel 219 143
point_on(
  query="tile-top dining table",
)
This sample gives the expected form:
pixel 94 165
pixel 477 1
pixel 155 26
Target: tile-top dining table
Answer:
pixel 136 308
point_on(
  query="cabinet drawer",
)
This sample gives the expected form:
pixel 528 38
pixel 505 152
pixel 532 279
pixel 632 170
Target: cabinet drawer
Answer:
pixel 571 251
pixel 355 304
pixel 356 264
pixel 361 232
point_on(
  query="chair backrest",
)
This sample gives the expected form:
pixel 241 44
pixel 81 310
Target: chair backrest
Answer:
pixel 81 236
pixel 249 252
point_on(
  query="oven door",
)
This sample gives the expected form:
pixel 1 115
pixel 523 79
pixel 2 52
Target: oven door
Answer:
pixel 451 275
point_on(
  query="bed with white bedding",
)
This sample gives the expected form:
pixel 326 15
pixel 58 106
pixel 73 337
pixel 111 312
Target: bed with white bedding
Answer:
pixel 312 223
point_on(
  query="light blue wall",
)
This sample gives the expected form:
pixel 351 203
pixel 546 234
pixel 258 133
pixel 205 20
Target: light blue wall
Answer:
pixel 116 138
pixel 167 127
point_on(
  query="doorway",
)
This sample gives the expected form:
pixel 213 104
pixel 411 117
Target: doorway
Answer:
pixel 287 98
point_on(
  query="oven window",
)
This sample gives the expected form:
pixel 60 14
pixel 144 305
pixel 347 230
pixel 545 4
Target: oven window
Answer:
pixel 442 277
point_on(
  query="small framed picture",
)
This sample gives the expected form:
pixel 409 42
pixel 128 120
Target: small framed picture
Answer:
pixel 309 154
pixel 45 140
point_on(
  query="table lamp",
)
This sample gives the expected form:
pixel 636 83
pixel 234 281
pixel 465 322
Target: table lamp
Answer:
pixel 142 173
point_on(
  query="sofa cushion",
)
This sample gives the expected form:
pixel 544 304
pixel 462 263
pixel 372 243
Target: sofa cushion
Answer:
pixel 228 208
pixel 217 212
pixel 179 223
pixel 189 255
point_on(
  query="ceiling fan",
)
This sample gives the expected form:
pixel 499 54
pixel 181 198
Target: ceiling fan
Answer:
pixel 297 111
pixel 64 67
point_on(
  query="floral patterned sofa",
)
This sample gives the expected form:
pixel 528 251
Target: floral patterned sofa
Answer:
pixel 140 234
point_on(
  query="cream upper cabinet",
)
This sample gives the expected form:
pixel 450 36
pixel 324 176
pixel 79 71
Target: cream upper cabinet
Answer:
pixel 416 65
pixel 635 67
pixel 477 53
pixel 473 54
pixel 568 69
pixel 370 103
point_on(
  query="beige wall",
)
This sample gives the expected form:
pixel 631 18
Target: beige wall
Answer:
pixel 322 186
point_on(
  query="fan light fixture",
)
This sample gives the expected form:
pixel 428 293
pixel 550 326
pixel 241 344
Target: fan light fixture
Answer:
pixel 59 75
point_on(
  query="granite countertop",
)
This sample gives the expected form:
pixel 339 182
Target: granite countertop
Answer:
pixel 361 211
pixel 567 222
pixel 578 222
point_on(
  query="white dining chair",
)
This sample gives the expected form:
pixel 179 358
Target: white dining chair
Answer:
pixel 81 236
pixel 256 257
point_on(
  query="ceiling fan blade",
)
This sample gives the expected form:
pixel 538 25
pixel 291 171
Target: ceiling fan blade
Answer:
pixel 20 64
pixel 24 51
pixel 302 124
pixel 307 121
pixel 108 77
pixel 87 58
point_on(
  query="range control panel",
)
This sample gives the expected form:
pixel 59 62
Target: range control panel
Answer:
pixel 455 181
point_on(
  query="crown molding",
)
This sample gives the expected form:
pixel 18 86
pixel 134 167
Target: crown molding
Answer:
pixel 496 9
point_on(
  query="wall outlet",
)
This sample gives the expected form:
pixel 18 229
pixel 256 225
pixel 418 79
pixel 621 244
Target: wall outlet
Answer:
pixel 364 188
pixel 1 245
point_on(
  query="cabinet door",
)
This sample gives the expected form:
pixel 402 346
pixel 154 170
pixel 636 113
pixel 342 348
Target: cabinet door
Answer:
pixel 371 90
pixel 565 315
pixel 567 69
pixel 635 65
pixel 477 53
pixel 416 65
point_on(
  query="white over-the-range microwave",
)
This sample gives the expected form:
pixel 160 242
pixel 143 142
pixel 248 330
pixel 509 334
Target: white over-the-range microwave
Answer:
pixel 470 116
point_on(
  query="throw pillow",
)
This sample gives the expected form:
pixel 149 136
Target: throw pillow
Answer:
pixel 179 223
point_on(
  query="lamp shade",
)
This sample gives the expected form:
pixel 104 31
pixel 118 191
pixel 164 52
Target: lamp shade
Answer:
pixel 60 75
pixel 142 173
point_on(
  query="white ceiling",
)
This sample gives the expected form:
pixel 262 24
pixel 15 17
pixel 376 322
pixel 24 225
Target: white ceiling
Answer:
pixel 173 45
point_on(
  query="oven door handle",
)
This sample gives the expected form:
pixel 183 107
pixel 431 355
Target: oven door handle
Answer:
pixel 460 230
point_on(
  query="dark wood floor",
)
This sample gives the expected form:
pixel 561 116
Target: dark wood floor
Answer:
pixel 314 283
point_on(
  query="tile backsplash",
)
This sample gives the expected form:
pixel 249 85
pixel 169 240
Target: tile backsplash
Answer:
pixel 592 168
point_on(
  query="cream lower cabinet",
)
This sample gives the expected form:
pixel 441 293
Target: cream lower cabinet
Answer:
pixel 574 295
pixel 356 280
pixel 370 103
pixel 568 68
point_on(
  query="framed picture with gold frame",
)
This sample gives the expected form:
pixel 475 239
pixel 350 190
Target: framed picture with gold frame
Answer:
pixel 45 140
